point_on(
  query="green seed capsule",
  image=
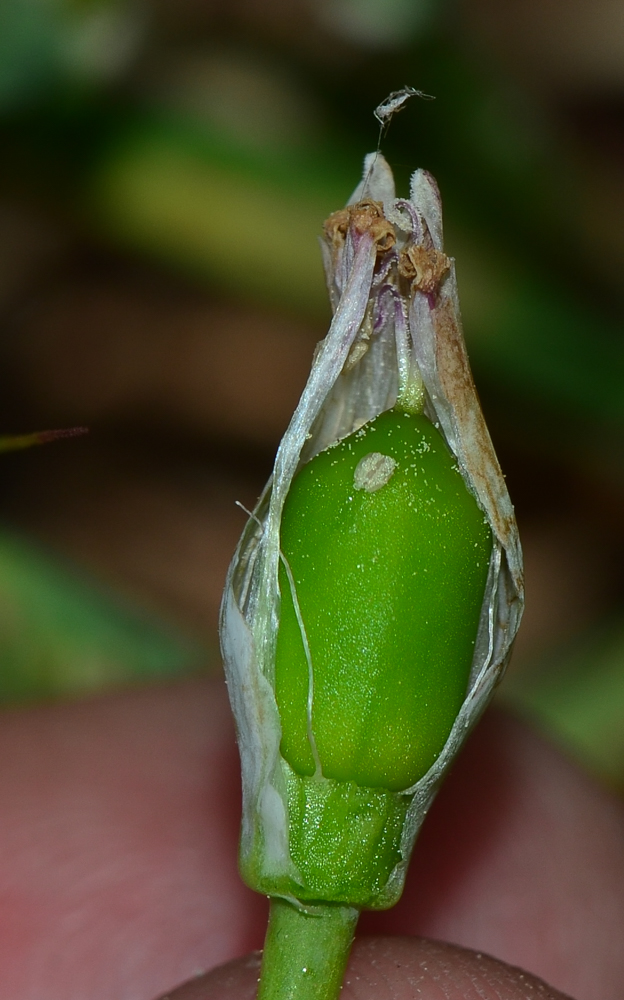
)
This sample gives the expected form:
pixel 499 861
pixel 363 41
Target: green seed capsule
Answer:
pixel 387 556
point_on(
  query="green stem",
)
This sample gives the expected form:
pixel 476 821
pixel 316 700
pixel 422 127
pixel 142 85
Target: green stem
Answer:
pixel 305 954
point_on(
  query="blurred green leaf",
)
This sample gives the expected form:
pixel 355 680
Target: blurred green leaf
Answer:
pixel 63 635
pixel 245 218
pixel 577 697
pixel 48 44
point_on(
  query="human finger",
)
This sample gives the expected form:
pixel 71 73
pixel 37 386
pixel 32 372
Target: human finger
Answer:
pixel 521 857
pixel 119 822
pixel 391 968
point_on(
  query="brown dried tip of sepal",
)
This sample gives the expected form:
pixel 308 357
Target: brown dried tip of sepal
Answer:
pixel 454 379
pixel 424 267
pixel 366 216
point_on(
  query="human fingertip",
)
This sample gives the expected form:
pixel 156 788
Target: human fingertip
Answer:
pixel 237 980
pixel 402 968
pixel 391 968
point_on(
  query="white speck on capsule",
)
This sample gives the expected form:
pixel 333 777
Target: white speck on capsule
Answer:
pixel 373 471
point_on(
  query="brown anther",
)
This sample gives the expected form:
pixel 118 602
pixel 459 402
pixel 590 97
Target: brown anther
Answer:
pixel 365 216
pixel 335 227
pixel 424 267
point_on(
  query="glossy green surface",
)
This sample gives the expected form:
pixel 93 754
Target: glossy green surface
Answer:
pixel 390 585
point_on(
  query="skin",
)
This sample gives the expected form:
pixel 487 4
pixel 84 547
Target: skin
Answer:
pixel 118 828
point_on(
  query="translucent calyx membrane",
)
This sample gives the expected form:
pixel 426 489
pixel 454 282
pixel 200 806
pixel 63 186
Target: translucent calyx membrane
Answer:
pixel 395 344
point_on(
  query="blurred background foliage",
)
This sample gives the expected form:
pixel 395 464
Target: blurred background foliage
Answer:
pixel 166 169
